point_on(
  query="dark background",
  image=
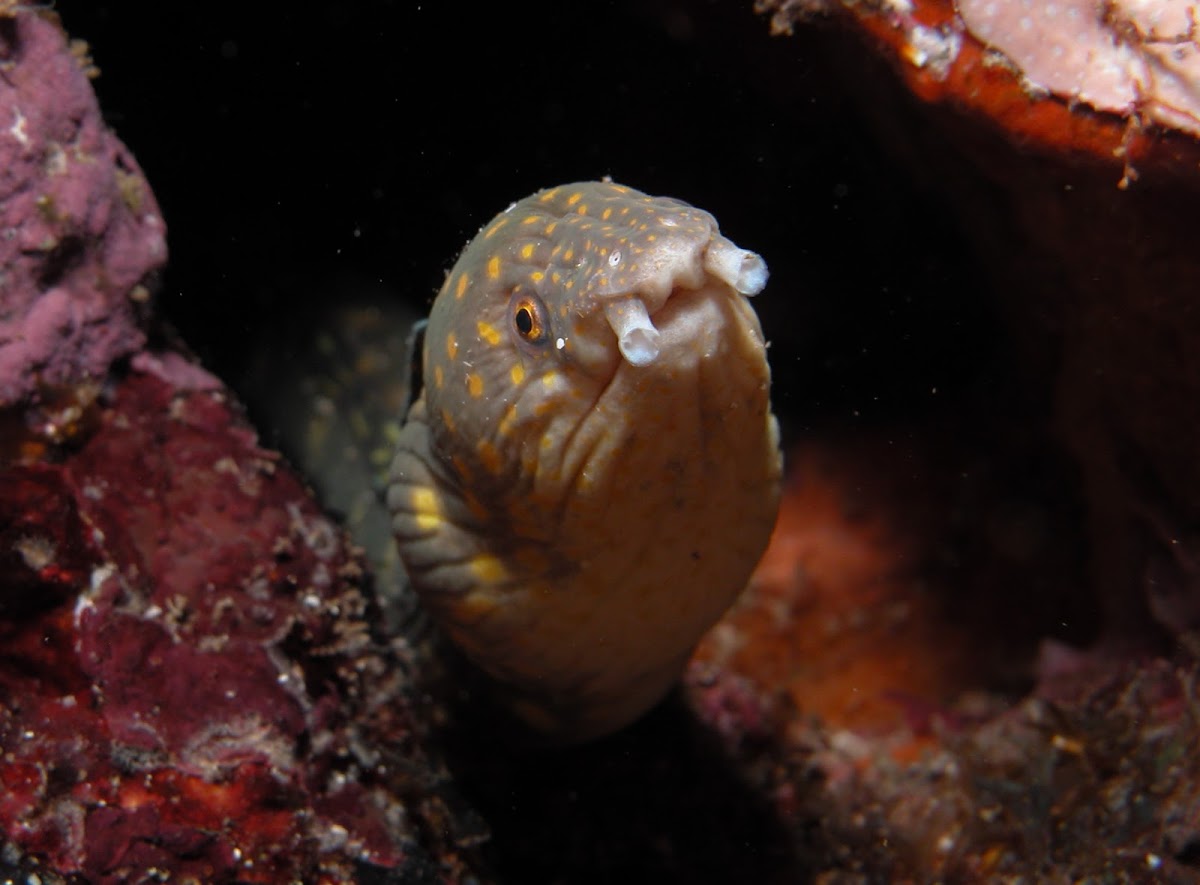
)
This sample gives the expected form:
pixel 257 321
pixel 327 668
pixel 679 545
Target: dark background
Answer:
pixel 297 155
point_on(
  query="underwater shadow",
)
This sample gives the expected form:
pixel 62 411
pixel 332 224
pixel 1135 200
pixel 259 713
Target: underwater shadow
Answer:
pixel 663 800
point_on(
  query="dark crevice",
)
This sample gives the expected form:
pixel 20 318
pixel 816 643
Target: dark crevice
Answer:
pixel 66 255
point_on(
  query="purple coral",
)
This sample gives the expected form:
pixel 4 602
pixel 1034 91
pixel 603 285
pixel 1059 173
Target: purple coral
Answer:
pixel 79 227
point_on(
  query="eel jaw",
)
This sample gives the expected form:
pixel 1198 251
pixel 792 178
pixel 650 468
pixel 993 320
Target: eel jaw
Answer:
pixel 743 271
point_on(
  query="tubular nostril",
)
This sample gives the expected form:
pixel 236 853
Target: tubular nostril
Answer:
pixel 636 335
pixel 743 270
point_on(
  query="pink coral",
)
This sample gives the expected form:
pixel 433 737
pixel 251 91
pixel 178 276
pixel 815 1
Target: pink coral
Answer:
pixel 1115 55
pixel 79 227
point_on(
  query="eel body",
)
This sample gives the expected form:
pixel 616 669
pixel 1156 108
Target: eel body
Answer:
pixel 591 470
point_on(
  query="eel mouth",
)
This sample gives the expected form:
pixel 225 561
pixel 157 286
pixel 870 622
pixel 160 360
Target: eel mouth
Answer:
pixel 742 271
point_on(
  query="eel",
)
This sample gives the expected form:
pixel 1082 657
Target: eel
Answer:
pixel 590 469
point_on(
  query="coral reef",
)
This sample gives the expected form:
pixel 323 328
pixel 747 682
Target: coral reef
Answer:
pixel 1133 58
pixel 1081 78
pixel 189 682
pixel 82 230
pixel 860 687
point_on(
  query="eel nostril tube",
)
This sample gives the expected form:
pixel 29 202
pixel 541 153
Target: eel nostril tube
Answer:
pixel 636 335
pixel 744 270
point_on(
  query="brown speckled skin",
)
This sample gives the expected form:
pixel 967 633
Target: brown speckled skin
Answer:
pixel 576 521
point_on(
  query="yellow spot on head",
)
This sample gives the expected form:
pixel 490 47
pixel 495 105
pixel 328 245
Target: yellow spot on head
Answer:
pixel 439 377
pixel 493 268
pixel 517 373
pixel 475 606
pixel 550 227
pixel 549 195
pixel 424 504
pixel 488 569
pixel 448 421
pixel 530 219
pixel 550 379
pixel 569 254
pixel 488 332
pixel 452 345
pixel 504 428
pixel 475 384
pixel 537 276
pixel 574 198
pixel 606 214
pixel 527 251
pixel 495 227
pixel 460 290
pixel 582 210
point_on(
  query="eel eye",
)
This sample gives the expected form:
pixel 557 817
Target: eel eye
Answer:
pixel 529 317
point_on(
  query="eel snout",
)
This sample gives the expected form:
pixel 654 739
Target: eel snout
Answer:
pixel 743 271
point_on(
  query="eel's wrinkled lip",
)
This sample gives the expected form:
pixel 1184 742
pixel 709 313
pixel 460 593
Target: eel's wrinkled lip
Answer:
pixel 743 271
